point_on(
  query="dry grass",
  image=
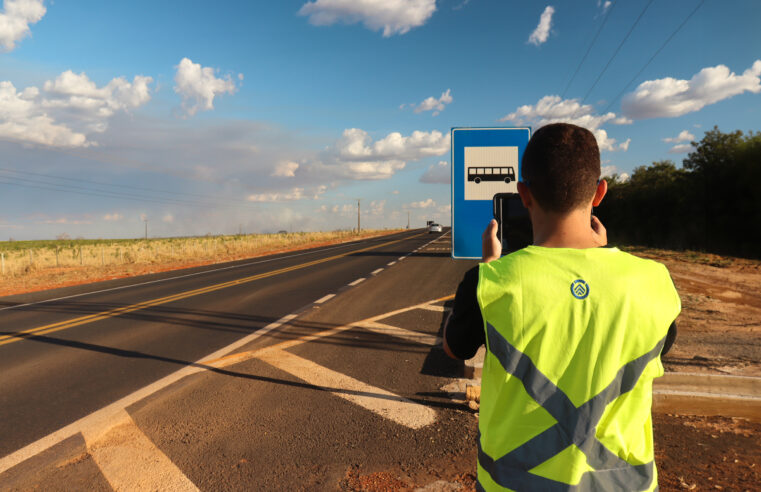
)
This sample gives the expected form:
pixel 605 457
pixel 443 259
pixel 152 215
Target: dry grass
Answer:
pixel 36 265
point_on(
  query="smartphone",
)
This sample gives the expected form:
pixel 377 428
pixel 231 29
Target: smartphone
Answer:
pixel 514 229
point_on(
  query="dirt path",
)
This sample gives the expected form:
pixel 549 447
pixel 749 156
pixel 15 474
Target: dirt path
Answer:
pixel 719 329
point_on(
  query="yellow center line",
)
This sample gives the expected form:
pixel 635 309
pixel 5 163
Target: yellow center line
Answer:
pixel 91 318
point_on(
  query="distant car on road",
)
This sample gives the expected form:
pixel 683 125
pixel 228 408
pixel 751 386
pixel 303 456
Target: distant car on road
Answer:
pixel 434 228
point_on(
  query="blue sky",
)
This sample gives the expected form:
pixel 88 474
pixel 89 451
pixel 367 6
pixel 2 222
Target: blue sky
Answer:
pixel 278 115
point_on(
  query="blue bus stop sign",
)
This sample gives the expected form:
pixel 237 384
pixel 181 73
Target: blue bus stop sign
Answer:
pixel 485 161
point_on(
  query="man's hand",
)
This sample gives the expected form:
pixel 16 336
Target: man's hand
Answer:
pixel 599 233
pixel 491 249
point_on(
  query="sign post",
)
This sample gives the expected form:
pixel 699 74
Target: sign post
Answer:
pixel 485 161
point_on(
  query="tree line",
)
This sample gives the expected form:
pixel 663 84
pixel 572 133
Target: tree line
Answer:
pixel 712 203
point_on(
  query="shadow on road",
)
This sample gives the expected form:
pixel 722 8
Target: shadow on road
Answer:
pixel 219 321
pixel 225 372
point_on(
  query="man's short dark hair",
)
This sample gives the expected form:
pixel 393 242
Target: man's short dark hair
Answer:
pixel 561 166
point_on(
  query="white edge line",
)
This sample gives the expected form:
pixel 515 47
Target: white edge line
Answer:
pixel 102 416
pixel 175 278
pixel 376 272
pixel 323 299
pixel 359 280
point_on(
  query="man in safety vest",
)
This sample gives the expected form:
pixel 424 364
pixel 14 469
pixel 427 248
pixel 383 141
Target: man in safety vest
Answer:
pixel 574 334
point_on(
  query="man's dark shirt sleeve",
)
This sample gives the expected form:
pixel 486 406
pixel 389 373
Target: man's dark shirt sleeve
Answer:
pixel 670 337
pixel 465 328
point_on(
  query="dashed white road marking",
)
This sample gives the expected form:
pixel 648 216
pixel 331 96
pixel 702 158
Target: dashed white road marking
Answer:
pixel 130 461
pixel 358 281
pixel 391 263
pixel 100 423
pixel 323 299
pixel 376 272
pixel 401 258
pixel 394 331
pixel 387 404
pixel 194 274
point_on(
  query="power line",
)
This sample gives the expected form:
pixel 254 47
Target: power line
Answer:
pixel 613 101
pixel 53 187
pixel 623 41
pixel 583 58
pixel 77 180
pixel 105 193
pixel 98 193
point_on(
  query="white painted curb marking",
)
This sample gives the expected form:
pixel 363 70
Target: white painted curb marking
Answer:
pixel 130 461
pixel 380 401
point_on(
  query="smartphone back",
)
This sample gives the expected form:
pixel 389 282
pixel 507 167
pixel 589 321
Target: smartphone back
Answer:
pixel 514 231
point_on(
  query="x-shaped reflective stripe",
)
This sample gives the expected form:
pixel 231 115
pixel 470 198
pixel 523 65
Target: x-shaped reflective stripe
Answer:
pixel 574 426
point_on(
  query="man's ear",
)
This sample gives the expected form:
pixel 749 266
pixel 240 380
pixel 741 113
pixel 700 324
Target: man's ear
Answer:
pixel 525 194
pixel 602 188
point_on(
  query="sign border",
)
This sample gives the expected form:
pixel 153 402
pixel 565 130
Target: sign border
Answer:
pixel 452 176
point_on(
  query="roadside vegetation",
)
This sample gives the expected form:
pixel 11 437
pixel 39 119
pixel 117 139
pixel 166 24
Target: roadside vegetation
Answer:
pixel 712 203
pixel 33 265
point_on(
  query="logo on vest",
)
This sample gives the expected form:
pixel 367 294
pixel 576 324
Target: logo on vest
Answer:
pixel 579 289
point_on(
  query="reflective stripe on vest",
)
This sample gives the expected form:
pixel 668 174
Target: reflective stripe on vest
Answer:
pixel 574 426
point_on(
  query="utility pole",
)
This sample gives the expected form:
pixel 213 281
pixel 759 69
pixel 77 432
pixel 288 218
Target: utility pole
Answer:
pixel 146 228
pixel 358 223
pixel 408 219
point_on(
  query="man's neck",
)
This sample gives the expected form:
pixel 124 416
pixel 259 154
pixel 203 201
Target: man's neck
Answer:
pixel 572 230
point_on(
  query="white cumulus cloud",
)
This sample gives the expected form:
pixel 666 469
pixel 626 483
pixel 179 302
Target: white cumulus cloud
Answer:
pixel 434 104
pixel 392 16
pixel 670 97
pixel 81 99
pixel 356 156
pixel 287 196
pixel 542 31
pixel 285 169
pixel 113 217
pixel 198 86
pixel 377 207
pixel 15 20
pixel 437 173
pixel 427 203
pixel 554 109
pixel 67 108
pixel 684 136
pixel 681 149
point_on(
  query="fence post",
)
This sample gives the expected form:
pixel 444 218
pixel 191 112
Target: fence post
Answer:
pixel 57 264
pixel 81 261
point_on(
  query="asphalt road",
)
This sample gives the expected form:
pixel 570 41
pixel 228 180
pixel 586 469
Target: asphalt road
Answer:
pixel 63 357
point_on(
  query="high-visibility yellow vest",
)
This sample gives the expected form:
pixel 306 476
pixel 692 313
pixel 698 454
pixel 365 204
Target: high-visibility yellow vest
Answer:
pixel 573 339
